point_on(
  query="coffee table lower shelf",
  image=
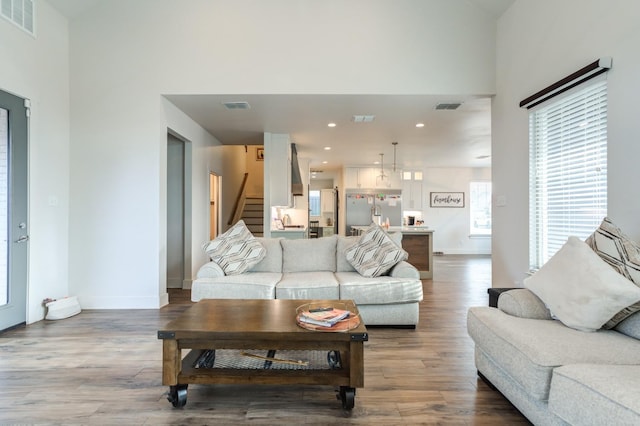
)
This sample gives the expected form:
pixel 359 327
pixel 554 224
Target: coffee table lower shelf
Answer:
pixel 266 368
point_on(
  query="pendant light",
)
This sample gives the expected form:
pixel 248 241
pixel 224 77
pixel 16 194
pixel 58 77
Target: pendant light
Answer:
pixel 395 145
pixel 383 178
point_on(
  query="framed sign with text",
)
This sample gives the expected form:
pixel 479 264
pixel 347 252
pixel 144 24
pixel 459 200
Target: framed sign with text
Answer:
pixel 447 199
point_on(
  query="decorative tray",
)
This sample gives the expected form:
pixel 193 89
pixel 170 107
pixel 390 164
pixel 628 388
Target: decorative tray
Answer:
pixel 322 317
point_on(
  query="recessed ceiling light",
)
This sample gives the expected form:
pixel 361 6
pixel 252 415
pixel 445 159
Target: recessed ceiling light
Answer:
pixel 331 124
pixel 327 148
pixel 420 125
pixel 324 162
pixel 376 162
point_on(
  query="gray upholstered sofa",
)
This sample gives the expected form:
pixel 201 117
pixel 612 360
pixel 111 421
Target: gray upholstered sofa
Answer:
pixel 318 269
pixel 556 375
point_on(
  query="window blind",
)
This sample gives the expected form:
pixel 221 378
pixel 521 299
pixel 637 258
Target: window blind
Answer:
pixel 568 169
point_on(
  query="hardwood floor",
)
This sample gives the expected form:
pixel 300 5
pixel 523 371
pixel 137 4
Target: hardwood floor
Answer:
pixel 104 367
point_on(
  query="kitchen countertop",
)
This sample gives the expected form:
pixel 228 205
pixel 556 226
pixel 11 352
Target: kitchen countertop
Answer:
pixel 418 229
pixel 413 229
pixel 300 228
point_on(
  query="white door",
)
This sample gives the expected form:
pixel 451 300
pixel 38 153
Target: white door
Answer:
pixel 14 232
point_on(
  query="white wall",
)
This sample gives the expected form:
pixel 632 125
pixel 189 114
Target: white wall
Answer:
pixel 38 69
pixel 451 225
pixel 539 43
pixel 121 64
pixel 255 168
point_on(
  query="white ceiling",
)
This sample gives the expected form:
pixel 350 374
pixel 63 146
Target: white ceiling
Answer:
pixel 459 138
pixel 451 138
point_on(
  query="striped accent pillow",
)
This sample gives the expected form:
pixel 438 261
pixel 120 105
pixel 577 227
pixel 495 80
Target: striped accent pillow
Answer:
pixel 374 253
pixel 236 250
pixel 622 254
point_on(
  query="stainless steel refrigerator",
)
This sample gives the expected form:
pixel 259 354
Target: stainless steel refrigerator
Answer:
pixel 364 206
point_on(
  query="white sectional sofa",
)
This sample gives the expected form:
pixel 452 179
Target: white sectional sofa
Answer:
pixel 553 374
pixel 566 348
pixel 318 269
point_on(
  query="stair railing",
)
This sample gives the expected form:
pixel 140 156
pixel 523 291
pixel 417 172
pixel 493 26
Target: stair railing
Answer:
pixel 238 207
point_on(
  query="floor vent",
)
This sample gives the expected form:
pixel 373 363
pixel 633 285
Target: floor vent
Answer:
pixel 438 253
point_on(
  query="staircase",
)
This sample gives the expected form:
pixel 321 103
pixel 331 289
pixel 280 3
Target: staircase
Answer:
pixel 253 215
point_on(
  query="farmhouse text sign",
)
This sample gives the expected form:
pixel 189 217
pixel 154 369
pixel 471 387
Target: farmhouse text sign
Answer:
pixel 447 199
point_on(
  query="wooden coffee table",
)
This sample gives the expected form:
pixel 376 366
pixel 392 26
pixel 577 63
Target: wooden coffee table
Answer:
pixel 212 325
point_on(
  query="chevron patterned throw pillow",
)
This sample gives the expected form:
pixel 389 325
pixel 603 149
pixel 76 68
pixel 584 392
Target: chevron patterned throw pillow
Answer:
pixel 622 254
pixel 374 253
pixel 236 250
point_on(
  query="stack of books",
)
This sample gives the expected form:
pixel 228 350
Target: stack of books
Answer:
pixel 325 317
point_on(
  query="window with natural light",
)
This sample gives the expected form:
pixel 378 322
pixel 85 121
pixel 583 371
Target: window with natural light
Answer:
pixel 314 202
pixel 567 170
pixel 480 208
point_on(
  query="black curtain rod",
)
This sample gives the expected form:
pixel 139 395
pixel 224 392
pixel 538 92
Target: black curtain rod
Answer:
pixel 590 71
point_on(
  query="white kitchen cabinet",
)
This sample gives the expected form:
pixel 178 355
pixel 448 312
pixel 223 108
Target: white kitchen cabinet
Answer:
pixel 327 201
pixel 367 178
pixel 352 178
pixel 412 192
pixel 327 231
pixel 415 195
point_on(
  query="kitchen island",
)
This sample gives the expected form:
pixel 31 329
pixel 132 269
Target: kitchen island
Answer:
pixel 293 232
pixel 418 243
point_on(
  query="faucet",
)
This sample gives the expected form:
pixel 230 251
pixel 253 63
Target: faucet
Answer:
pixel 376 214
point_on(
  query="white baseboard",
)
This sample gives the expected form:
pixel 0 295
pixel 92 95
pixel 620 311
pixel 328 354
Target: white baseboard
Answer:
pixel 88 302
pixel 446 251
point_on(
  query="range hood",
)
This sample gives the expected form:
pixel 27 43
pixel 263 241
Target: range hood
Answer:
pixel 296 179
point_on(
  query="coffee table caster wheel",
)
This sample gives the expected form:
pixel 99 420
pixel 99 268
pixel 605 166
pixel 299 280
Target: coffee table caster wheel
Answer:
pixel 178 395
pixel 348 397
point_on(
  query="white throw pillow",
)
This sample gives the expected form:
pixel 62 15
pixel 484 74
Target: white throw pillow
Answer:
pixel 236 250
pixel 580 289
pixel 374 253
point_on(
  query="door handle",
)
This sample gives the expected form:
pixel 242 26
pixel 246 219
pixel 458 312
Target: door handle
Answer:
pixel 22 239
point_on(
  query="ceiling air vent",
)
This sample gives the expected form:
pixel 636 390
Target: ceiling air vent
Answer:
pixel 363 118
pixel 448 106
pixel 20 12
pixel 236 105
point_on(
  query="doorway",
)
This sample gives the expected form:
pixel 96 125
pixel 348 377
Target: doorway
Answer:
pixel 14 232
pixel 214 204
pixel 178 211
